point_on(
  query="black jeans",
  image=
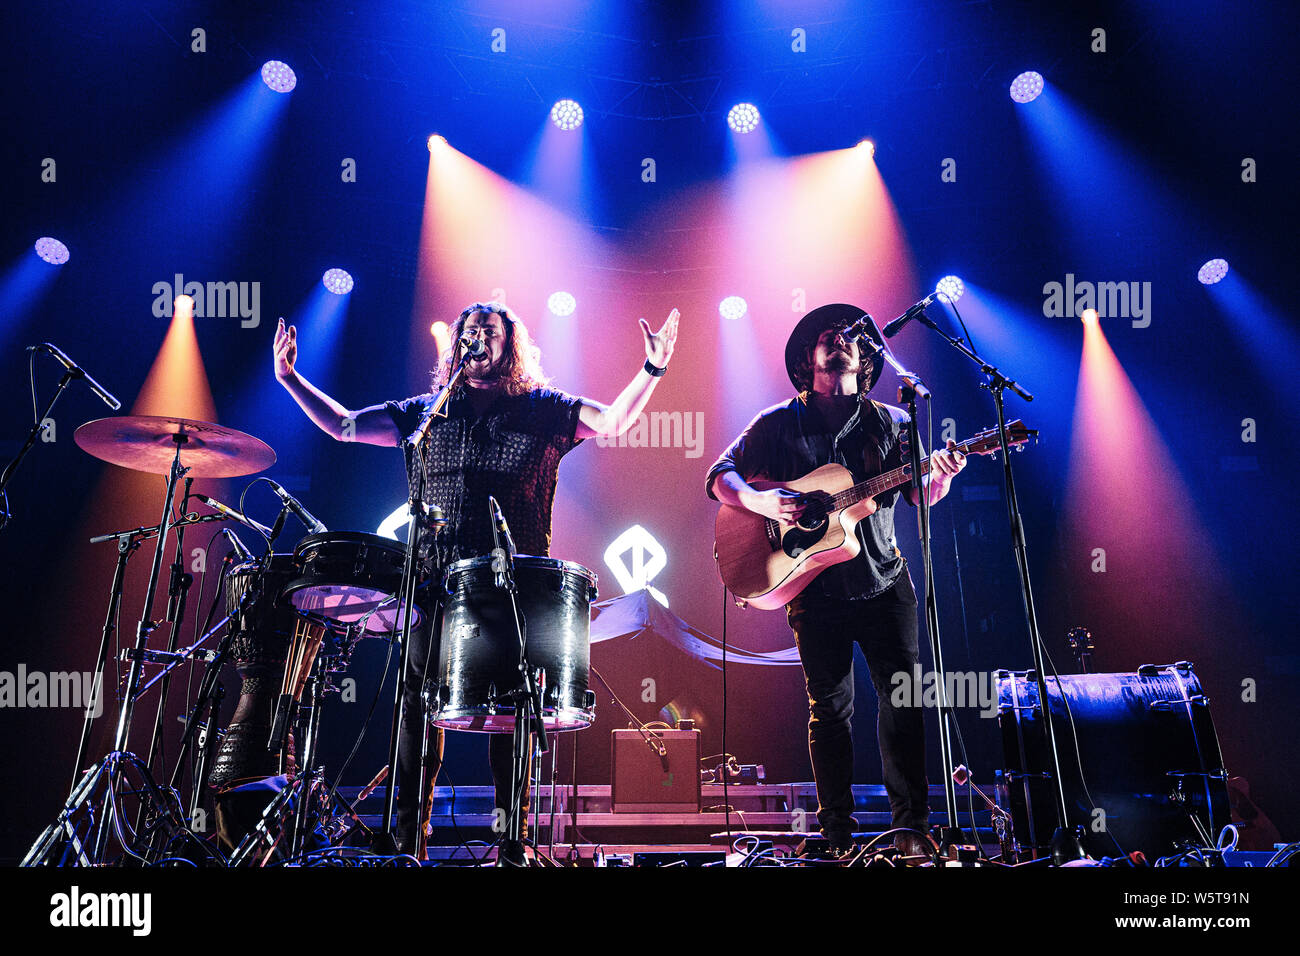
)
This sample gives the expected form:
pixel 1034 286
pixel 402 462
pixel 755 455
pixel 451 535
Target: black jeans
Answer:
pixel 886 630
pixel 411 815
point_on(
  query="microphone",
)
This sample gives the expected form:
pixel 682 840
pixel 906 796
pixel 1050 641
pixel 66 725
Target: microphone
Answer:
pixel 314 524
pixel 472 346
pixel 237 546
pixel 61 357
pixel 896 326
pixel 857 328
pixel 499 527
pixel 234 515
pixel 504 574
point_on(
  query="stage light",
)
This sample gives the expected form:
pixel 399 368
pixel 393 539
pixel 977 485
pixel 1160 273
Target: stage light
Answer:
pixel 950 288
pixel 1026 87
pixel 868 147
pixel 439 328
pixel 52 251
pixel 566 114
pixel 278 76
pixel 732 307
pixel 436 139
pixel 1212 271
pixel 1090 317
pixel 561 304
pixel 743 117
pixel 337 281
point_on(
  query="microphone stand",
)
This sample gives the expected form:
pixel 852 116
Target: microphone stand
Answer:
pixel 414 444
pixel 7 475
pixel 911 389
pixel 1065 845
pixel 529 724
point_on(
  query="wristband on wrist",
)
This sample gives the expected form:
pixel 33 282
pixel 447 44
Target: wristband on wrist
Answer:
pixel 655 370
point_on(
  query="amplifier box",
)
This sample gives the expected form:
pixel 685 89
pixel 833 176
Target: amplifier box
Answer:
pixel 646 781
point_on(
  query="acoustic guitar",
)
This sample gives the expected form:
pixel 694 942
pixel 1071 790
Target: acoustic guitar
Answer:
pixel 766 562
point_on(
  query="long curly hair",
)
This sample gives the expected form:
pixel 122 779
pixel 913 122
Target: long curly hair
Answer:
pixel 521 370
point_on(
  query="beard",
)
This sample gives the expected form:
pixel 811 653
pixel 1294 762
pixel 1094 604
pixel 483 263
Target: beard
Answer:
pixel 839 363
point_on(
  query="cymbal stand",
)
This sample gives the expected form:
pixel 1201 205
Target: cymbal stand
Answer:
pixel 111 768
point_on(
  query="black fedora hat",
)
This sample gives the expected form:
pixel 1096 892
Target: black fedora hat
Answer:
pixel 810 328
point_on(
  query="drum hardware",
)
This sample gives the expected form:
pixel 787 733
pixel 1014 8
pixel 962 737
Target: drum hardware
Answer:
pixel 306 796
pixel 179 448
pixel 1000 818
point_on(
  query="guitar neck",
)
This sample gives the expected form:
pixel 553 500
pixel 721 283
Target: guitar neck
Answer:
pixel 886 481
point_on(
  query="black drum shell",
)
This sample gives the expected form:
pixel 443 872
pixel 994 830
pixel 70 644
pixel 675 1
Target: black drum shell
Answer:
pixel 479 648
pixel 351 559
pixel 1139 735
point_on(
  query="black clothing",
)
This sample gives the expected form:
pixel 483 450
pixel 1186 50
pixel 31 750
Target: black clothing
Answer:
pixel 869 599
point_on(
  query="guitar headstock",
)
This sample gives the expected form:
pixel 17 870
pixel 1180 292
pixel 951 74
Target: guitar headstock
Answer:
pixel 988 442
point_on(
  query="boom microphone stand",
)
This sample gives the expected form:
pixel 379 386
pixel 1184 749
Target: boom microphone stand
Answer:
pixel 413 445
pixel 1065 844
pixel 911 389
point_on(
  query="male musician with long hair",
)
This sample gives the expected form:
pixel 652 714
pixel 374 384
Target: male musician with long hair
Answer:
pixel 868 599
pixel 503 436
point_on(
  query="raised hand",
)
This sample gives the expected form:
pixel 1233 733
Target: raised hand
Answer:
pixel 659 345
pixel 286 350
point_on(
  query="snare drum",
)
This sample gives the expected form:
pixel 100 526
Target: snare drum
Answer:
pixel 345 576
pixel 478 660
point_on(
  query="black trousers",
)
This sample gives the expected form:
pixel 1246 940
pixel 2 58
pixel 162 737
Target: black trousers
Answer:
pixel 412 812
pixel 885 627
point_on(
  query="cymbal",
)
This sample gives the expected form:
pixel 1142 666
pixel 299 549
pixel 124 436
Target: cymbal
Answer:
pixel 148 443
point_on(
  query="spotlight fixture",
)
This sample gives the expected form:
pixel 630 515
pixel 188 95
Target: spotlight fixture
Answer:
pixel 337 281
pixel 52 251
pixel 278 76
pixel 561 304
pixel 436 139
pixel 1090 317
pixel 868 147
pixel 732 307
pixel 1026 87
pixel 1213 271
pixel 566 114
pixel 950 288
pixel 743 117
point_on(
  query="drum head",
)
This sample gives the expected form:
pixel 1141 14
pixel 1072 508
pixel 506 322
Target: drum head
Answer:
pixel 348 604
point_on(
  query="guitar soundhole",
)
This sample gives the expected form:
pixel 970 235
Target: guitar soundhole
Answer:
pixel 809 529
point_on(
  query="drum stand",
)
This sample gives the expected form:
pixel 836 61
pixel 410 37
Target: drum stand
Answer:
pixel 299 797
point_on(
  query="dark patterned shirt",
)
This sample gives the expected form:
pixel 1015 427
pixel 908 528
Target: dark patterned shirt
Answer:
pixel 512 452
pixel 789 440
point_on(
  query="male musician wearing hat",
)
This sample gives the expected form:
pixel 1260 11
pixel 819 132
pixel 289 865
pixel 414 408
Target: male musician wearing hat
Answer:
pixel 868 599
pixel 503 436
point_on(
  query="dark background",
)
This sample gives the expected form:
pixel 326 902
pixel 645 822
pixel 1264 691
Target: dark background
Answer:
pixel 153 179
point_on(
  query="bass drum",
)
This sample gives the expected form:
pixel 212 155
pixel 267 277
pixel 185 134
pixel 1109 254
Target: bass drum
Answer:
pixel 1148 752
pixel 478 656
pixel 263 628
